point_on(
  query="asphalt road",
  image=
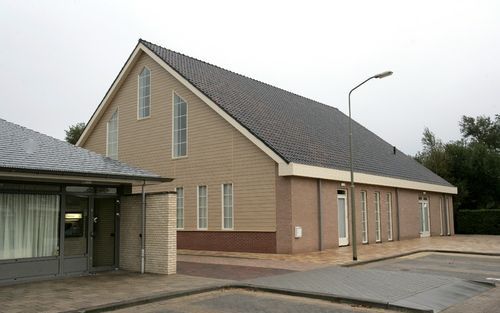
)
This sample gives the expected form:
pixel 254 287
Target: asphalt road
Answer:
pixel 242 301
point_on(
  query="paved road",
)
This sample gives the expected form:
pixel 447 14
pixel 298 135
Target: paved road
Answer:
pixel 426 281
pixel 404 289
pixel 471 267
pixel 240 301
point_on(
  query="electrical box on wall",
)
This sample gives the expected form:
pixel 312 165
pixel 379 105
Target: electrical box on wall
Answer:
pixel 298 232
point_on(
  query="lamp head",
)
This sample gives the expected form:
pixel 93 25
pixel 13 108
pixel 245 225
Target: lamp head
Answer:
pixel 383 74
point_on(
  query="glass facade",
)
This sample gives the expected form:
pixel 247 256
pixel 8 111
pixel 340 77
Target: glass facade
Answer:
pixel 29 225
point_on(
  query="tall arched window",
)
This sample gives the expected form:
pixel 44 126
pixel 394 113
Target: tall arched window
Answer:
pixel 112 136
pixel 144 105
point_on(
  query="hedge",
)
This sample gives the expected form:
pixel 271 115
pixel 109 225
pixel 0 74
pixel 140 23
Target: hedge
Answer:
pixel 486 222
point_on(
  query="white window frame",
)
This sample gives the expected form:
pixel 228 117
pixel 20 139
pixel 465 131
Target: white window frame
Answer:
pixel 139 93
pixel 378 226
pixel 173 130
pixel 441 212
pixel 364 217
pixel 448 230
pixel 177 207
pixel 389 217
pixel 421 201
pixel 107 135
pixel 198 207
pixel 223 205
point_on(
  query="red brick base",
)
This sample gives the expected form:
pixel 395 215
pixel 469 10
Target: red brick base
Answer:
pixel 263 242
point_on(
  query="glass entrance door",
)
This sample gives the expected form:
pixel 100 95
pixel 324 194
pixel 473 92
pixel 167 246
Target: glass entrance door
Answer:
pixel 342 218
pixel 76 234
pixel 423 204
pixel 103 233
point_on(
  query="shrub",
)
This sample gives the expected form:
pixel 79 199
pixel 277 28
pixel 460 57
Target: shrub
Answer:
pixel 486 222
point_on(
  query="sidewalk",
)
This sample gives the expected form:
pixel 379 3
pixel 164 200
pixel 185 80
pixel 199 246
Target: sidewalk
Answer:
pixel 343 255
pixel 73 293
pixel 390 289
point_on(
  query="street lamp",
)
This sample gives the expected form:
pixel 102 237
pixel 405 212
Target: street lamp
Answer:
pixel 353 211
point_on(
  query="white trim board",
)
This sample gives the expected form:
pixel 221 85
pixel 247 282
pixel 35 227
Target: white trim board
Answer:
pixel 109 95
pixel 294 169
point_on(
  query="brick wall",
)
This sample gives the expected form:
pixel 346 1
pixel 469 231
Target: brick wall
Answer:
pixel 161 237
pixel 130 230
pixel 300 195
pixel 160 233
pixel 264 242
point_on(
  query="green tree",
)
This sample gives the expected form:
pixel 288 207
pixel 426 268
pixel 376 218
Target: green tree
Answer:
pixel 74 132
pixel 433 155
pixel 472 163
pixel 482 130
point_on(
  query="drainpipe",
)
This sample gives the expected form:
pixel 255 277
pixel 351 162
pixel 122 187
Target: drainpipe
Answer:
pixel 397 210
pixel 320 218
pixel 143 224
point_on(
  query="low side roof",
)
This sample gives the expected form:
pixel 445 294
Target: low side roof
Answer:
pixel 25 150
pixel 298 129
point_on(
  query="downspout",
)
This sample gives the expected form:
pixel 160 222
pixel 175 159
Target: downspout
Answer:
pixel 320 217
pixel 143 226
pixel 397 211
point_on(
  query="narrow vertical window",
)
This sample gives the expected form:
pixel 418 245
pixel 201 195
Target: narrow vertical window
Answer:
pixel 227 206
pixel 112 136
pixel 180 207
pixel 179 142
pixel 364 218
pixel 144 105
pixel 448 230
pixel 441 220
pixel 389 216
pixel 377 217
pixel 202 207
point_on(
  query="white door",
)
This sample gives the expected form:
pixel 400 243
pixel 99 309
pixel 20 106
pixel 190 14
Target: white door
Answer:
pixel 423 204
pixel 342 218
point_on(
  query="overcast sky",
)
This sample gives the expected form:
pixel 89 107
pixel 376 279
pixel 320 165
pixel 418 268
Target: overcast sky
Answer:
pixel 58 58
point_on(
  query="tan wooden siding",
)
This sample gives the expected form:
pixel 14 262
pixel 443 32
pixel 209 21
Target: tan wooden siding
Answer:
pixel 217 152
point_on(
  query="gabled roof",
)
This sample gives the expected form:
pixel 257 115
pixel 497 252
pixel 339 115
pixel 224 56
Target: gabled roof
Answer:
pixel 305 137
pixel 23 150
pixel 298 129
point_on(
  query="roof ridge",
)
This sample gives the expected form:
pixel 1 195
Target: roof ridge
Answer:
pixel 244 76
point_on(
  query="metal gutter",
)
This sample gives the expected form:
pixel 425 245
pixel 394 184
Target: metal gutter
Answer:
pixel 130 178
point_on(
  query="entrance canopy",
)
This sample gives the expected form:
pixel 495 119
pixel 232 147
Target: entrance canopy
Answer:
pixel 28 155
pixel 59 205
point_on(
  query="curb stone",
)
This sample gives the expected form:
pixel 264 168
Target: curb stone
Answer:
pixel 312 295
pixel 356 263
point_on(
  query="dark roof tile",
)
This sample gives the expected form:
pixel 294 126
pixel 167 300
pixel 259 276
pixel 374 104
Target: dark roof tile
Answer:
pixel 27 150
pixel 298 129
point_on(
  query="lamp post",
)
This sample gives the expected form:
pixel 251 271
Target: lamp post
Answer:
pixel 353 211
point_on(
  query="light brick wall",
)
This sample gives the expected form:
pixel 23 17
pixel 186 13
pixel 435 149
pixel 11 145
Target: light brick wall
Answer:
pixel 130 230
pixel 160 233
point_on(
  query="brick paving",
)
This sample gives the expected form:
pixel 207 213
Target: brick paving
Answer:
pixel 223 271
pixel 343 255
pixel 72 293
